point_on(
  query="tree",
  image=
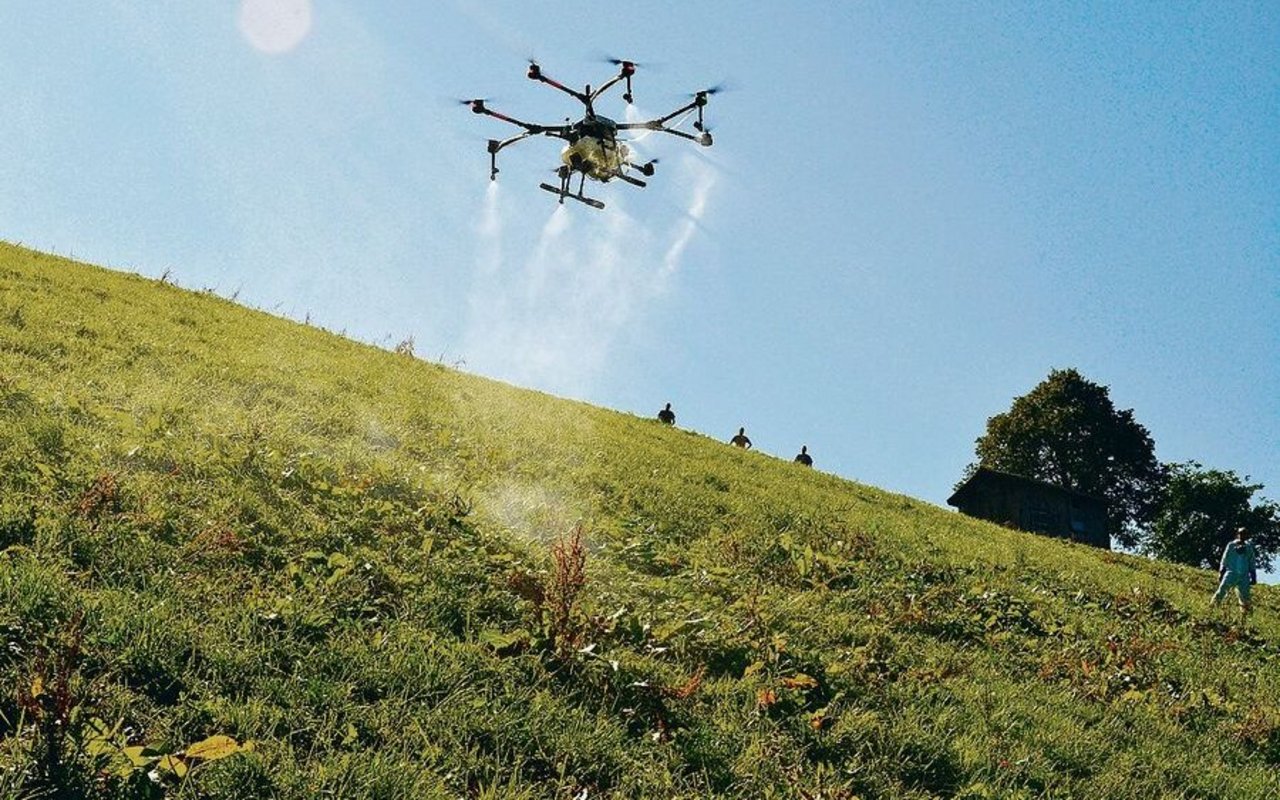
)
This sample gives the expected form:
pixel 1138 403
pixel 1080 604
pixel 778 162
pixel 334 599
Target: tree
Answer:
pixel 1067 432
pixel 1199 512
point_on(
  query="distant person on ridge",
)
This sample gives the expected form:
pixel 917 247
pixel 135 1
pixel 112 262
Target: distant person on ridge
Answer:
pixel 804 457
pixel 741 440
pixel 1238 569
pixel 666 416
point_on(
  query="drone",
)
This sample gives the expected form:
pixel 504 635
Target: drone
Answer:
pixel 593 149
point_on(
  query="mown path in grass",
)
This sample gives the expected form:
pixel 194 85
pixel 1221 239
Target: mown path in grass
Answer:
pixel 216 523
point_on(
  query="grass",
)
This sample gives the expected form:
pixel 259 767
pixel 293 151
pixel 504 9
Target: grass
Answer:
pixel 382 578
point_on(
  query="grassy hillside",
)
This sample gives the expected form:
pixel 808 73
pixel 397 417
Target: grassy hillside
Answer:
pixel 360 570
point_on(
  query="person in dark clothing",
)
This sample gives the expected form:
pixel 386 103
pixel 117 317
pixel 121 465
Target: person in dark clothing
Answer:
pixel 741 440
pixel 666 416
pixel 804 457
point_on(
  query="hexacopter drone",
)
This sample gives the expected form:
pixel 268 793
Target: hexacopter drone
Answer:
pixel 593 149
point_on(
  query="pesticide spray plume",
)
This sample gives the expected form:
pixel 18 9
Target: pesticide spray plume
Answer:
pixel 489 233
pixel 547 313
pixel 704 180
pixel 490 224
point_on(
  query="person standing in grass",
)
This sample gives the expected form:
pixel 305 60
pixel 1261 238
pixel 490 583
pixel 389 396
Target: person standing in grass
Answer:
pixel 741 440
pixel 666 416
pixel 804 457
pixel 1238 569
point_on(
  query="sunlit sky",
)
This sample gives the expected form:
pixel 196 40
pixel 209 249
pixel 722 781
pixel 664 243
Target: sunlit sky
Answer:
pixel 912 211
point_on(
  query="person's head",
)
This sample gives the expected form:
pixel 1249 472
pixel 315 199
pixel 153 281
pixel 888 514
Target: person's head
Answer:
pixel 668 408
pixel 804 448
pixel 741 431
pixel 1241 534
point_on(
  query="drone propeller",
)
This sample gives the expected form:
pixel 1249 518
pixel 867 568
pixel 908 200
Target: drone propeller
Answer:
pixel 700 100
pixel 476 104
pixel 609 58
pixel 710 90
pixel 627 68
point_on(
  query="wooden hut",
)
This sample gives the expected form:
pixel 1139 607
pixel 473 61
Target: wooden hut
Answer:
pixel 1035 506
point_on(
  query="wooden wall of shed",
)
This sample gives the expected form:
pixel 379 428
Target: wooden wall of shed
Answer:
pixel 1040 509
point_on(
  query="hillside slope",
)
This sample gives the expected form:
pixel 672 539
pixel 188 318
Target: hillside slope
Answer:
pixel 219 523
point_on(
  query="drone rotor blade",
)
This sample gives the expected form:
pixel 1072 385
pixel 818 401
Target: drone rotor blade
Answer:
pixel 476 104
pixel 617 61
pixel 722 86
pixel 626 65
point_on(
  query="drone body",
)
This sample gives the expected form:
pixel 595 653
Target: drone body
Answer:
pixel 597 153
pixel 592 148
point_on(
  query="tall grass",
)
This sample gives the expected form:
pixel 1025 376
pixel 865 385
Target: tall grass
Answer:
pixel 365 567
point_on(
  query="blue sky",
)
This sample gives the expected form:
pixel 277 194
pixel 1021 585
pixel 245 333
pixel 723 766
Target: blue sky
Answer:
pixel 912 212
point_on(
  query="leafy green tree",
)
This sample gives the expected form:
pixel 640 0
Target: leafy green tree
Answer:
pixel 1199 512
pixel 1066 431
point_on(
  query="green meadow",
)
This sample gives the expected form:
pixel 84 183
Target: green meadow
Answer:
pixel 244 557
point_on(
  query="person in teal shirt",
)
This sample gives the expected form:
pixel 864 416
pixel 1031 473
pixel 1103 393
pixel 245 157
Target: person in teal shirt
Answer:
pixel 1238 569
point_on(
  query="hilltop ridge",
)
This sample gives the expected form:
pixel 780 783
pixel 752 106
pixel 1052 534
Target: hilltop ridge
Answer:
pixel 218 523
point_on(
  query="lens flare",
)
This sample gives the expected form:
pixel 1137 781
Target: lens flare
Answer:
pixel 275 26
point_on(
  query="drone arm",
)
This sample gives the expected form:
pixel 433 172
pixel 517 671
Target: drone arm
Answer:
pixel 660 124
pixel 681 110
pixel 699 100
pixel 628 69
pixel 535 73
pixel 704 139
pixel 479 107
pixel 604 87
pixel 496 145
pixel 656 126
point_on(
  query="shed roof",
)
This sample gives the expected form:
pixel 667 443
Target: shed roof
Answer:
pixel 985 475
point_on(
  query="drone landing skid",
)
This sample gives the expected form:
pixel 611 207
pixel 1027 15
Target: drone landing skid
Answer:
pixel 562 194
